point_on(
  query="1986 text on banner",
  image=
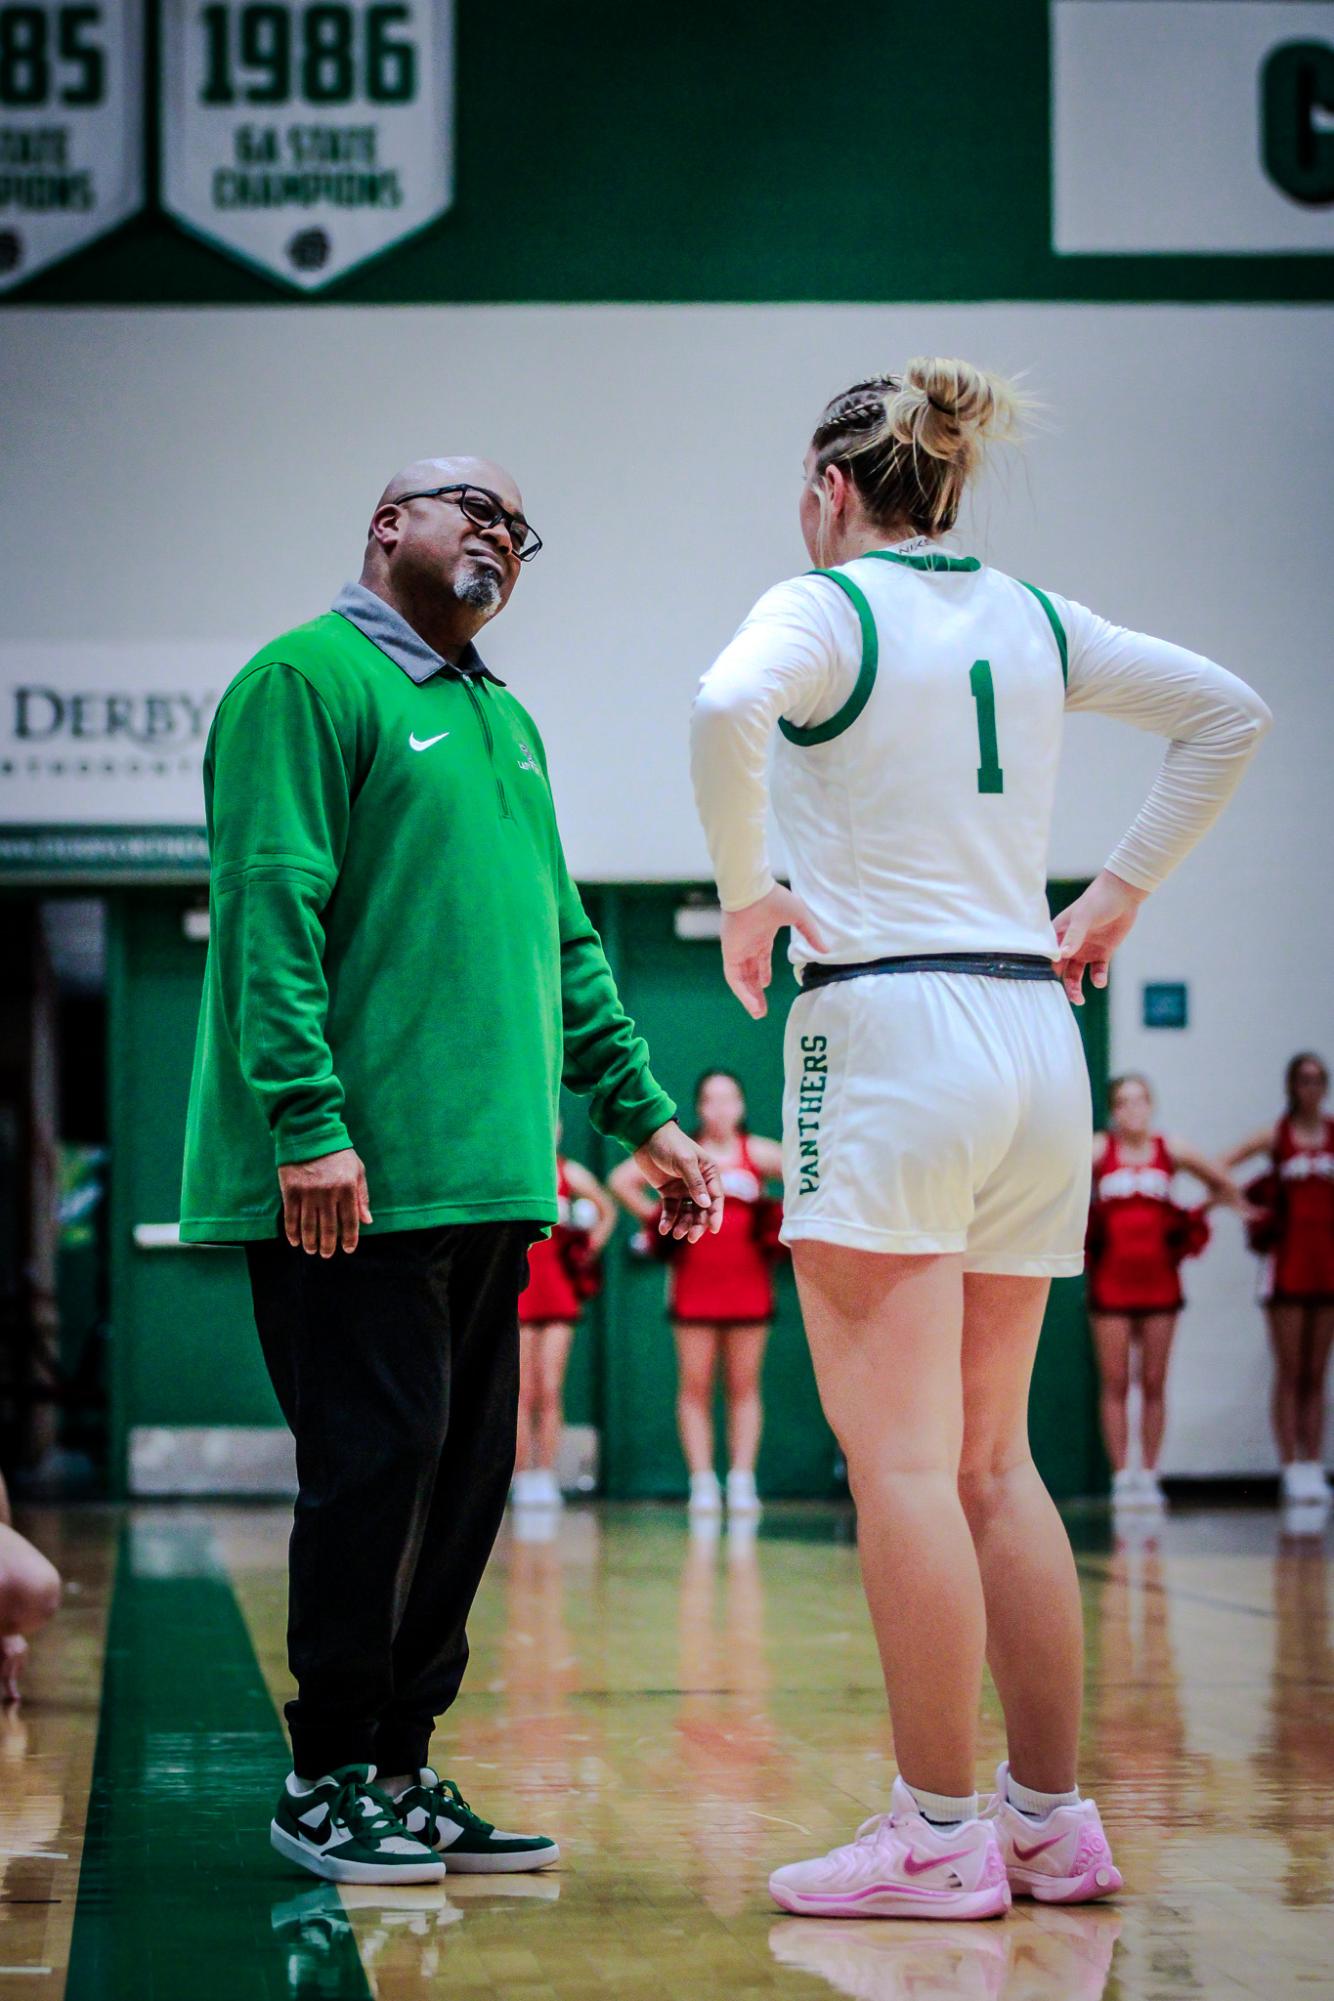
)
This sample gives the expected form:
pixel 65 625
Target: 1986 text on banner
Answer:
pixel 305 139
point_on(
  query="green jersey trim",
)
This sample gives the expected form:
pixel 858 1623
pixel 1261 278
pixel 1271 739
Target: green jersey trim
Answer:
pixel 1058 630
pixel 936 559
pixel 843 719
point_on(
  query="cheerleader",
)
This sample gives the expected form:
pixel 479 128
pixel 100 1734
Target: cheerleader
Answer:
pixel 560 1278
pixel 1295 1228
pixel 1137 1239
pixel 720 1295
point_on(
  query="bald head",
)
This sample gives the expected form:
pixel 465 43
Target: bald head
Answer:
pixel 443 472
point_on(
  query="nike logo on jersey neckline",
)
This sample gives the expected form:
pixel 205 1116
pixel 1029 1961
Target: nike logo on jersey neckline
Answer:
pixel 416 742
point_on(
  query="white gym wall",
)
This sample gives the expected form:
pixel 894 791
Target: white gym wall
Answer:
pixel 205 476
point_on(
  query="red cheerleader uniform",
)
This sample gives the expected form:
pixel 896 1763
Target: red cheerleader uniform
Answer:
pixel 1132 1262
pixel 727 1278
pixel 1302 1267
pixel 550 1293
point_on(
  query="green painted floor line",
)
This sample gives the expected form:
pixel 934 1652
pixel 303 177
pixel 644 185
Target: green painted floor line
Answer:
pixel 180 1896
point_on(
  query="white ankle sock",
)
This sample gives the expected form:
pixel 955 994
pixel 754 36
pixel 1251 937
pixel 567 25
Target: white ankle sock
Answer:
pixel 395 1787
pixel 1037 1805
pixel 941 1809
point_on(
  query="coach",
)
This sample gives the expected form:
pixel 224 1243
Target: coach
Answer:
pixel 400 974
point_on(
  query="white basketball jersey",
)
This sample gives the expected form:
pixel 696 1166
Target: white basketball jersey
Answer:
pixel 917 817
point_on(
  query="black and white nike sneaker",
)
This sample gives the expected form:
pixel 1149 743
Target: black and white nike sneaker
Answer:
pixel 346 1830
pixel 435 1811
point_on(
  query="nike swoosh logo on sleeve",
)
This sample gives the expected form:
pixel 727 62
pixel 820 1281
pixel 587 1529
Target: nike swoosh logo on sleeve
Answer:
pixel 424 743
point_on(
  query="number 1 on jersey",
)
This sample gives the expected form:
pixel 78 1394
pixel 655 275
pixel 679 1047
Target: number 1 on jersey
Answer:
pixel 990 777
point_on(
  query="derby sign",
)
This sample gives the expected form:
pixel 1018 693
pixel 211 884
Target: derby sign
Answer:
pixel 307 138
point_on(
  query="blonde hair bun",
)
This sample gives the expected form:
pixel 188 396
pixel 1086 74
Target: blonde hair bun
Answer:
pixel 952 411
pixel 912 442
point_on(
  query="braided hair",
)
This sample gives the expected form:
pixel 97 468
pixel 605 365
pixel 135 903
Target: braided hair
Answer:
pixel 910 443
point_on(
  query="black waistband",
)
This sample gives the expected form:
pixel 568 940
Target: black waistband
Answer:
pixel 990 966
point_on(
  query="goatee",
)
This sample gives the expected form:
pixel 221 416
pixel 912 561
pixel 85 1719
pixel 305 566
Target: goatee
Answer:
pixel 477 586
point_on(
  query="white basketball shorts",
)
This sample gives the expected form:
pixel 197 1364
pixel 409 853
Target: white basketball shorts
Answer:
pixel 929 1112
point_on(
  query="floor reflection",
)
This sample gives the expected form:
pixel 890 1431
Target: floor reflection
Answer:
pixel 893 1960
pixel 400 1935
pixel 725 1737
pixel 1062 1955
pixel 1037 1954
pixel 1294 1767
pixel 682 1714
pixel 1135 1721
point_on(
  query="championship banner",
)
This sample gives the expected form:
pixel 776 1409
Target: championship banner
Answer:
pixel 305 139
pixel 71 128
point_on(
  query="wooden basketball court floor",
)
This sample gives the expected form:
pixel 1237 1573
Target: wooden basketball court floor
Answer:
pixel 682 1714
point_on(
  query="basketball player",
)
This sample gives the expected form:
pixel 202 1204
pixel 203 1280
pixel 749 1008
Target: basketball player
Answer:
pixel 1138 1237
pixel 720 1296
pixel 1297 1287
pixel 937 1120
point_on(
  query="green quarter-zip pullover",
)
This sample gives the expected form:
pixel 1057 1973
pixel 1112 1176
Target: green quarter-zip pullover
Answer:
pixel 398 960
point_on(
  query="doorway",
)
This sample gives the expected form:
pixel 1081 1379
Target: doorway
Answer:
pixel 54 1162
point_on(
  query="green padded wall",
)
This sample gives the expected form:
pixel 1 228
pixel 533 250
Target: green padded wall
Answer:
pixel 183 1344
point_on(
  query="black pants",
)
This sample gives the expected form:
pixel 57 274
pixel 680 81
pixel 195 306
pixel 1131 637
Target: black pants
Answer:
pixel 397 1369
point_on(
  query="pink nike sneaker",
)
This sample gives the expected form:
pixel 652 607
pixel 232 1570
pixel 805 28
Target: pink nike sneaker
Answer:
pixel 1063 1859
pixel 900 1866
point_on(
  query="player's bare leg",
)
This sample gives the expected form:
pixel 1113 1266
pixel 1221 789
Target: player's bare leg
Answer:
pixel 1035 1639
pixel 885 1335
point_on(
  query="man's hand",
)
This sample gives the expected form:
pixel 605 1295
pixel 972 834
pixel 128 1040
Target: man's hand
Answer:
pixel 1090 930
pixel 325 1202
pixel 748 944
pixel 687 1180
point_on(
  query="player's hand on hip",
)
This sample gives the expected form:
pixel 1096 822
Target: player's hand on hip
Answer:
pixel 325 1202
pixel 1089 930
pixel 687 1180
pixel 748 944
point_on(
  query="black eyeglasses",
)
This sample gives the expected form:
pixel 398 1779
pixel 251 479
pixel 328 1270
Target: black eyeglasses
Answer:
pixel 485 510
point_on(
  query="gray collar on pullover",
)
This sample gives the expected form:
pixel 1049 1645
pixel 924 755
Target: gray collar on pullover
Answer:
pixel 390 631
